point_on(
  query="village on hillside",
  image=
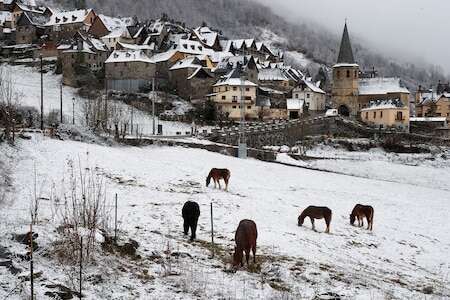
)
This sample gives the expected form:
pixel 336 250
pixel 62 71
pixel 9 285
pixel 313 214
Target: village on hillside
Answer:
pixel 211 71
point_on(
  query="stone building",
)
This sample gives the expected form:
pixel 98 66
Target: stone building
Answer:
pixel 243 62
pixel 30 27
pixel 431 104
pixel 128 70
pixel 64 25
pixel 350 93
pixel 191 79
pixel 80 55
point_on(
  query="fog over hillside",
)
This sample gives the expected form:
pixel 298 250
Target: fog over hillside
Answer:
pixel 248 18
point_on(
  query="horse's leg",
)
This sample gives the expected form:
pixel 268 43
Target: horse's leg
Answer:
pixel 254 253
pixel 247 255
pixel 215 182
pixel 186 227
pixel 327 221
pixel 226 183
pixel 218 181
pixel 193 230
pixel 312 223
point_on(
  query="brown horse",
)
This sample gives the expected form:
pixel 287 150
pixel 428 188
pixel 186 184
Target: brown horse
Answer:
pixel 316 212
pixel 216 175
pixel 245 238
pixel 361 211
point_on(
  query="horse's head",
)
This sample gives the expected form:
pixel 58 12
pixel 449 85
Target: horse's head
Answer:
pixel 208 180
pixel 300 221
pixel 352 219
pixel 237 257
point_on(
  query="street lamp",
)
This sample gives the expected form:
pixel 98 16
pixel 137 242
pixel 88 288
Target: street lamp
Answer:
pixel 73 111
pixel 242 144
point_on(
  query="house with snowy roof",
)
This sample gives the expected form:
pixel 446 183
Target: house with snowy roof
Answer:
pixel 386 113
pixel 312 94
pixel 81 55
pixel 104 25
pixel 65 24
pixel 351 93
pixel 227 96
pixel 430 103
pixel 207 37
pixel 191 79
pixel 18 7
pixel 30 27
pixel 129 70
pixel 243 62
pixel 276 78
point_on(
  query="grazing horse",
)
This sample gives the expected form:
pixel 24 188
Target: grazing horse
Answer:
pixel 190 212
pixel 316 212
pixel 361 211
pixel 216 175
pixel 245 238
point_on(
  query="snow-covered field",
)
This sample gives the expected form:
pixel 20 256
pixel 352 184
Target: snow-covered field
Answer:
pixel 27 82
pixel 406 253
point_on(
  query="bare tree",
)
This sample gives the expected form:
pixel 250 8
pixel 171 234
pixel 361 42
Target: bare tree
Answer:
pixel 9 100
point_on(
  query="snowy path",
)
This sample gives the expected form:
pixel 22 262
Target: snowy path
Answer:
pixel 407 251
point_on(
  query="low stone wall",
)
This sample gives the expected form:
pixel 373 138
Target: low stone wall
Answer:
pixel 263 155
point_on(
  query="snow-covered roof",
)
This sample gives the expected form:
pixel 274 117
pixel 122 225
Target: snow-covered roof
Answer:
pixel 5 16
pixel 121 56
pixel 271 91
pixel 112 23
pixel 137 47
pixel 428 119
pixel 272 75
pixel 235 82
pixel 30 8
pixel 231 62
pixel 191 47
pixel 68 17
pixel 82 43
pixel 381 86
pixel 313 86
pixel 188 62
pixel 206 35
pixel 295 104
pixel 345 65
pixel 165 56
pixel 385 104
pixel 198 70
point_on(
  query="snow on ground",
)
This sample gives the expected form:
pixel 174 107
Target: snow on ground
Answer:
pixel 406 252
pixel 298 58
pixel 27 82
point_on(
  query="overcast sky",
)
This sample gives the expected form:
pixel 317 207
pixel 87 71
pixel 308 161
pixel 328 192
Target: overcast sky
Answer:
pixel 411 29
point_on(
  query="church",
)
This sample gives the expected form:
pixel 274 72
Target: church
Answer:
pixel 353 91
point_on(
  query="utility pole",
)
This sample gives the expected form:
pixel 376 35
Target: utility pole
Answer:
pixel 42 95
pixel 61 104
pixel 153 103
pixel 73 111
pixel 242 145
pixel 106 103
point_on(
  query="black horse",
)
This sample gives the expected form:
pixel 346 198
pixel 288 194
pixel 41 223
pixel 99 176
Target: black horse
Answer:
pixel 191 212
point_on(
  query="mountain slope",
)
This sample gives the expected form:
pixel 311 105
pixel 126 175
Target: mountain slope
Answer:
pixel 250 19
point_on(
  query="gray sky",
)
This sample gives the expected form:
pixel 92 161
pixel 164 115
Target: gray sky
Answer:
pixel 410 29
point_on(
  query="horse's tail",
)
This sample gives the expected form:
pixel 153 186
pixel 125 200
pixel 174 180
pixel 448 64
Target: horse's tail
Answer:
pixel 371 217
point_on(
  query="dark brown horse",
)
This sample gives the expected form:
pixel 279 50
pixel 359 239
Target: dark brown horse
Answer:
pixel 245 238
pixel 216 175
pixel 316 212
pixel 360 211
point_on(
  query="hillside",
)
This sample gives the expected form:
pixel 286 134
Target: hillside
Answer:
pixel 249 19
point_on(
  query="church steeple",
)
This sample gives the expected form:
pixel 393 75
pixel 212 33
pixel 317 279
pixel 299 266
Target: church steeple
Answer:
pixel 346 52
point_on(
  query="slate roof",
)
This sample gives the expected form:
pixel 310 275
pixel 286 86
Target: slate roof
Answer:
pixel 345 51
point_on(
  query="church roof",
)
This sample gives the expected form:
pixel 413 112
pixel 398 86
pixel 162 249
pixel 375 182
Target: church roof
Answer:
pixel 346 52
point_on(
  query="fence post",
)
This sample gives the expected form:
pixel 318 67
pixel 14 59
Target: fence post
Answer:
pixel 31 261
pixel 212 231
pixel 81 265
pixel 115 221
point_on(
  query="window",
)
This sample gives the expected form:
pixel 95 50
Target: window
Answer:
pixel 234 98
pixel 234 88
pixel 223 98
pixel 374 114
pixel 356 74
pixel 227 89
pixel 296 96
pixel 348 73
pixel 381 114
pixel 307 95
pixel 234 106
pixel 247 89
pixel 248 98
pixel 338 73
pixel 399 116
pixel 249 107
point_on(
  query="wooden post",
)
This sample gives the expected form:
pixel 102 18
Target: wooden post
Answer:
pixel 61 103
pixel 81 265
pixel 115 221
pixel 31 261
pixel 212 231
